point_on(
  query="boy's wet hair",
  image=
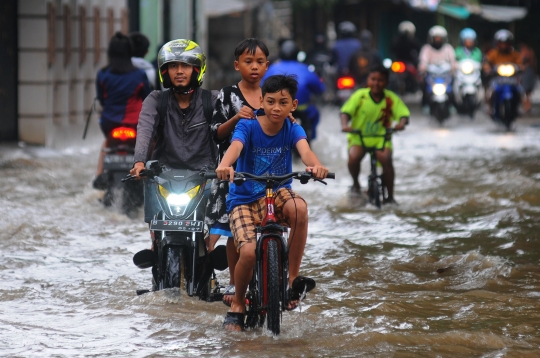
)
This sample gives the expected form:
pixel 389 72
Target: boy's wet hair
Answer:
pixel 250 45
pixel 380 69
pixel 278 83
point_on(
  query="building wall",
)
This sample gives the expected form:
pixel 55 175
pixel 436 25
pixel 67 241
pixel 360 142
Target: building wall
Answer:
pixel 62 45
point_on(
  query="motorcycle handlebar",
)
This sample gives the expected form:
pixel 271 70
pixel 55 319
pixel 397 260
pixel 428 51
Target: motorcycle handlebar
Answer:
pixel 143 173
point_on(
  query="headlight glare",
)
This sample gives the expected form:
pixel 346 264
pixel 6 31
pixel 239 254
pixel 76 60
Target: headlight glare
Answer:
pixel 439 89
pixel 506 70
pixel 467 67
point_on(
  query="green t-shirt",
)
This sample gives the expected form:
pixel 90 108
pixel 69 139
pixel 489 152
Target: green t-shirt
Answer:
pixel 373 118
pixel 475 54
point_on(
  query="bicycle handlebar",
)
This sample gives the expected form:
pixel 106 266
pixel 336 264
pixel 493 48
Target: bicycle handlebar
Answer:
pixel 240 177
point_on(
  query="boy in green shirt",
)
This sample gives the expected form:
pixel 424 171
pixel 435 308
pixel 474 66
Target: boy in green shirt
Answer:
pixel 372 110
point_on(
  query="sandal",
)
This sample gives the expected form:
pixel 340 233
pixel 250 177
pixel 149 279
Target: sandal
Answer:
pixel 229 291
pixel 300 286
pixel 234 319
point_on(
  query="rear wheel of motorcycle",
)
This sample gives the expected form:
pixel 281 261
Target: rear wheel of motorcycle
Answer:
pixel 274 311
pixel 173 266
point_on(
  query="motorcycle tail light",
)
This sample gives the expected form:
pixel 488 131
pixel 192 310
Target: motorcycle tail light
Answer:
pixel 124 133
pixel 398 67
pixel 345 83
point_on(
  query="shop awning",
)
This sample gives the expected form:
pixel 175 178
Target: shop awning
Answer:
pixel 456 11
pixel 502 13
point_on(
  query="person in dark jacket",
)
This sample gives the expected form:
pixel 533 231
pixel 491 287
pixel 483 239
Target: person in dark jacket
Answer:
pixel 184 141
pixel 121 89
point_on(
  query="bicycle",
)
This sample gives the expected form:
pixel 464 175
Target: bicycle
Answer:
pixel 268 293
pixel 377 191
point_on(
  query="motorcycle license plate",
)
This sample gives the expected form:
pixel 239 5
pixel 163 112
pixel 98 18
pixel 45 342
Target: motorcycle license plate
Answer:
pixel 177 225
pixel 114 161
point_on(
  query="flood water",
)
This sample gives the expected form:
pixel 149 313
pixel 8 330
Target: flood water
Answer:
pixel 452 271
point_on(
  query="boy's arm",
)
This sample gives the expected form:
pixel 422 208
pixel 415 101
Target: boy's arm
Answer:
pixel 345 118
pixel 224 170
pixel 403 121
pixel 311 161
pixel 226 128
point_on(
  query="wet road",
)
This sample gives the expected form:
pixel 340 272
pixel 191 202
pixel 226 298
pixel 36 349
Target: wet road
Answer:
pixel 452 271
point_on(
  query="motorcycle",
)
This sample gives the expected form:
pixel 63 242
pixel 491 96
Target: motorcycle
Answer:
pixel 467 86
pixel 345 87
pixel 118 160
pixel 403 77
pixel 439 90
pixel 178 233
pixel 506 97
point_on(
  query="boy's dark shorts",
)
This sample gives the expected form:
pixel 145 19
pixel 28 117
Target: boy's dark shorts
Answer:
pixel 244 218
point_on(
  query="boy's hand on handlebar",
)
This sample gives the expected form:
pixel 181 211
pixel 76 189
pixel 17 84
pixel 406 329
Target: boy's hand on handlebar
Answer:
pixel 318 171
pixel 399 127
pixel 347 129
pixel 136 170
pixel 225 173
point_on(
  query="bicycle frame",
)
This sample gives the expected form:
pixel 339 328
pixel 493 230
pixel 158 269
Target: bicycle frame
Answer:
pixel 270 230
pixel 373 160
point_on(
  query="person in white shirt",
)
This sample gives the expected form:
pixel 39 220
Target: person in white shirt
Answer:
pixel 140 44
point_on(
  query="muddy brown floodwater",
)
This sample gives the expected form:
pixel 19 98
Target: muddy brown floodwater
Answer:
pixel 452 271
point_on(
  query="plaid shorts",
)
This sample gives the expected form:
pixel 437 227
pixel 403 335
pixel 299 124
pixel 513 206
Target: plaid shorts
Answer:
pixel 244 218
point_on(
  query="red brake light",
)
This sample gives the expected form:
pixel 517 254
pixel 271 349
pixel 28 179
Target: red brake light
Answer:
pixel 345 83
pixel 124 133
pixel 398 67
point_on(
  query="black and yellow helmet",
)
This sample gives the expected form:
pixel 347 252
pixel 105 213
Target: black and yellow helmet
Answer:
pixel 185 51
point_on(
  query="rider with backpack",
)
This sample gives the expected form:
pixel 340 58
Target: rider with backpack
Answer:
pixel 174 124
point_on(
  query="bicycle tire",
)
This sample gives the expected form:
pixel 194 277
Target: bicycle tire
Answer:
pixel 173 265
pixel 375 193
pixel 273 308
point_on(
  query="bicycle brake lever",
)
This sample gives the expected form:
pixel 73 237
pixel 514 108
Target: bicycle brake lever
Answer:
pixel 322 181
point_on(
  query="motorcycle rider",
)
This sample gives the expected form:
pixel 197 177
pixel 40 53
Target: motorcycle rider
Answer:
pixel 468 47
pixel 308 83
pixel 120 89
pixel 364 59
pixel 405 46
pixel 182 139
pixel 436 51
pixel 504 52
pixel 345 46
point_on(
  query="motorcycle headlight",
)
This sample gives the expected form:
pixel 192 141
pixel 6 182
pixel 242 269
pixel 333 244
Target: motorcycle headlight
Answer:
pixel 467 68
pixel 178 203
pixel 506 70
pixel 439 89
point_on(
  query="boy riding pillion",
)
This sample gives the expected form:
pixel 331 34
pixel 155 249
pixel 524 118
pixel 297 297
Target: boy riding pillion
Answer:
pixel 264 146
pixel 372 110
pixel 241 100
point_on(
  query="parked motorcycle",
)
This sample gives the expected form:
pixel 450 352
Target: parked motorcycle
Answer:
pixel 117 162
pixel 439 90
pixel 467 86
pixel 403 77
pixel 178 231
pixel 506 97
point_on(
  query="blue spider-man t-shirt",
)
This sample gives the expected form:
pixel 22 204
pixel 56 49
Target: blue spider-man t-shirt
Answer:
pixel 262 154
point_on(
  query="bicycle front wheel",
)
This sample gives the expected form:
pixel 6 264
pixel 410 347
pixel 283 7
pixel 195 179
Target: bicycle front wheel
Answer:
pixel 272 281
pixel 375 193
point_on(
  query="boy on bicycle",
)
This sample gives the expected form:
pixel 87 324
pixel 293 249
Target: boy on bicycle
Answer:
pixel 265 146
pixel 372 111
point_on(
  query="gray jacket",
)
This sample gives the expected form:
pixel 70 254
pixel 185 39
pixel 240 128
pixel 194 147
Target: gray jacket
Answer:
pixel 184 142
